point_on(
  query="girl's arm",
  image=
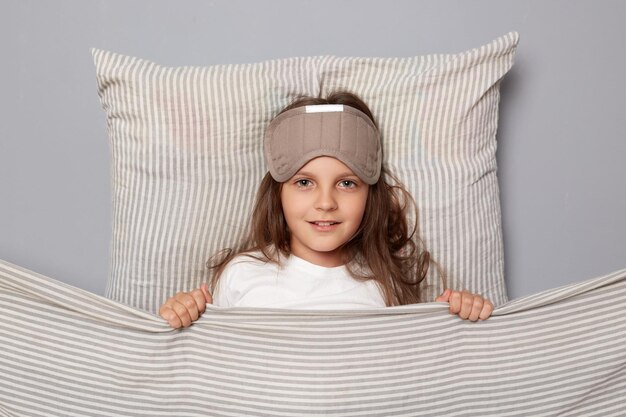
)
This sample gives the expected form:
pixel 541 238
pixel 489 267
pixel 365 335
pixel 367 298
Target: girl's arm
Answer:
pixel 183 308
pixel 467 305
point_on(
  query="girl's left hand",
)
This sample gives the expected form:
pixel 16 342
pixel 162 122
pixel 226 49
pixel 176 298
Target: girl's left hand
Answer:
pixel 467 305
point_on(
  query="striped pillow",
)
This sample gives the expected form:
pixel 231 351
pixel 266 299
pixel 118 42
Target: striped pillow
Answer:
pixel 186 163
pixel 187 157
pixel 438 116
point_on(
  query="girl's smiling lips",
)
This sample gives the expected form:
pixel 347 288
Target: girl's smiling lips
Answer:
pixel 325 226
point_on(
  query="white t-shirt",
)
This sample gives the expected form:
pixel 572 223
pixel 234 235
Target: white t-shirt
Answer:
pixel 300 284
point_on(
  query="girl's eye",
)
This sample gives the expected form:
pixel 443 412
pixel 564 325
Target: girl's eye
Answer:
pixel 350 184
pixel 300 183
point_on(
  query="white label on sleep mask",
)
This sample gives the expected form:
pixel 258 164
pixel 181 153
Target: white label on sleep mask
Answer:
pixel 323 108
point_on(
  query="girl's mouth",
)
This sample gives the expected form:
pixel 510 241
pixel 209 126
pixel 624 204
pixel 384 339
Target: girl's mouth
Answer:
pixel 324 226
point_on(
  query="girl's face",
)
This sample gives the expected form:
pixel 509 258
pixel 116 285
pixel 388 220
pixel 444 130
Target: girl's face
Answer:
pixel 323 190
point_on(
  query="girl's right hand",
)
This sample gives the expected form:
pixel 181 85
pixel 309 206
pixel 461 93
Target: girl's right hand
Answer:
pixel 186 307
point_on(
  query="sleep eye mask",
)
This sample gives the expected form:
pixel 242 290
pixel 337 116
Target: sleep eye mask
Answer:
pixel 300 134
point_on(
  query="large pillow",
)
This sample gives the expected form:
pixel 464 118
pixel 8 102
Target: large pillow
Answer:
pixel 187 157
pixel 186 163
pixel 438 116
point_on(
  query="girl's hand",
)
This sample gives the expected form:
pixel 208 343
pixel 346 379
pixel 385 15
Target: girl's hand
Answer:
pixel 467 305
pixel 185 307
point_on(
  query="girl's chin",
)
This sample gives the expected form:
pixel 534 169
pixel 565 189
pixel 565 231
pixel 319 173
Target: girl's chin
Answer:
pixel 321 253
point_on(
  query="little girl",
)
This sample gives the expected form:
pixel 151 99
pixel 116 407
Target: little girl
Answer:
pixel 328 230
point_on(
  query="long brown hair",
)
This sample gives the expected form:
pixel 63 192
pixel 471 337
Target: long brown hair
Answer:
pixel 382 249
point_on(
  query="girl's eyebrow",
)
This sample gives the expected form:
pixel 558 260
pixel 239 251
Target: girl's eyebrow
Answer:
pixel 343 174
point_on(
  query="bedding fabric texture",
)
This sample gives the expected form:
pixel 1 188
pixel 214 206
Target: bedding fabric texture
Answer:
pixel 187 157
pixel 68 352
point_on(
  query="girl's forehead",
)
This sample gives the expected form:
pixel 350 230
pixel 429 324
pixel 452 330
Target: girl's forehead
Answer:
pixel 326 164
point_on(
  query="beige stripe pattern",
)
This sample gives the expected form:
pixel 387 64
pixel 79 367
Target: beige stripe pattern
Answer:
pixel 187 157
pixel 438 115
pixel 186 163
pixel 68 352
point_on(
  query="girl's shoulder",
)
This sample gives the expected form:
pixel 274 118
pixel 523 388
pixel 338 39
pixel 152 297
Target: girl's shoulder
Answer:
pixel 235 273
pixel 246 260
pixel 255 258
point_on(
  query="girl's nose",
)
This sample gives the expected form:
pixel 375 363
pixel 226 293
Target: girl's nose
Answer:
pixel 325 200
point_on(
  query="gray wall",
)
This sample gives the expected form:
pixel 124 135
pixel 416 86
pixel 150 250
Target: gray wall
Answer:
pixel 561 137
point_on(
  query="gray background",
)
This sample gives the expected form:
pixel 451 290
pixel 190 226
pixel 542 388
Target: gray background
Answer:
pixel 561 140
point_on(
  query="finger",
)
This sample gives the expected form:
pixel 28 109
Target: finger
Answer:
pixel 189 303
pixel 455 302
pixel 487 310
pixel 183 313
pixel 477 308
pixel 467 302
pixel 169 302
pixel 207 296
pixel 198 297
pixel 444 296
pixel 170 315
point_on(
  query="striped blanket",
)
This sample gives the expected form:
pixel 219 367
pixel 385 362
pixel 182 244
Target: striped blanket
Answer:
pixel 67 352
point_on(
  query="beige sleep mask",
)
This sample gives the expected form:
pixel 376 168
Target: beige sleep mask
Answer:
pixel 300 134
